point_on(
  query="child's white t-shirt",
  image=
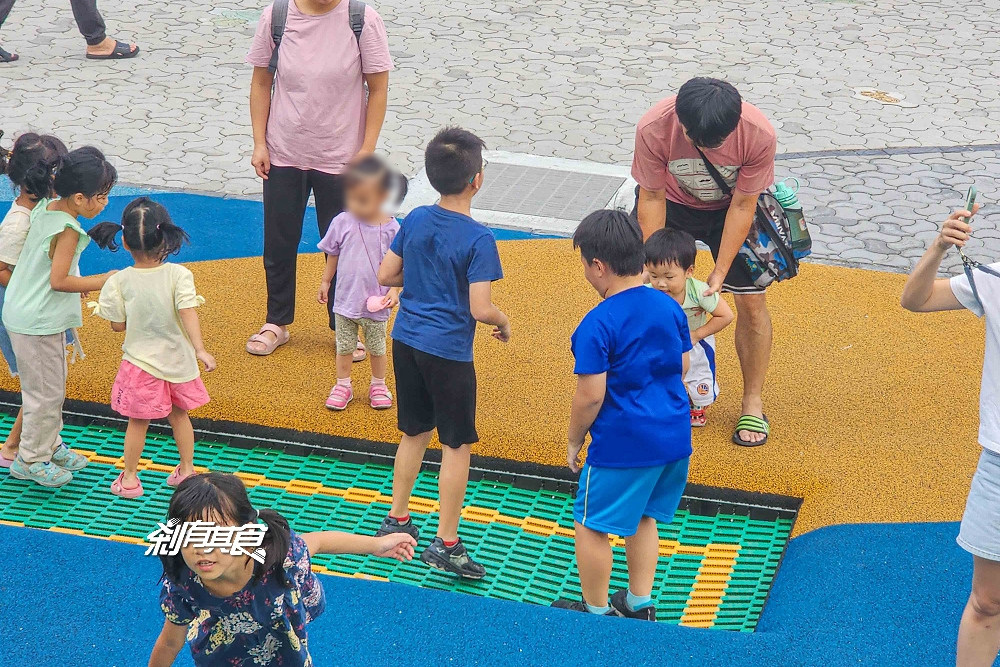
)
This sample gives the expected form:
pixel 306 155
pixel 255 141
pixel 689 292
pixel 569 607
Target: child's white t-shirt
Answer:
pixel 13 232
pixel 989 391
pixel 147 300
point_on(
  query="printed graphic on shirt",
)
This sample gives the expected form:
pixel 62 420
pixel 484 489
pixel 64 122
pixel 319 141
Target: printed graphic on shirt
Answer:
pixel 692 176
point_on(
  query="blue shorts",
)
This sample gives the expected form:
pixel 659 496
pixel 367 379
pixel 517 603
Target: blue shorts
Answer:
pixel 614 500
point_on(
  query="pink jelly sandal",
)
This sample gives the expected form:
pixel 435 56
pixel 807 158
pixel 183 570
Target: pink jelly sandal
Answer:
pixel 360 353
pixel 175 477
pixel 121 491
pixel 5 462
pixel 280 338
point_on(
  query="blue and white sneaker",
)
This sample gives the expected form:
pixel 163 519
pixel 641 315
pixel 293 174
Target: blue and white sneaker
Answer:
pixel 67 459
pixel 45 473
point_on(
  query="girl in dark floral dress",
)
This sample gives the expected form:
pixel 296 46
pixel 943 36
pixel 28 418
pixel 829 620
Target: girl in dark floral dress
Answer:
pixel 234 610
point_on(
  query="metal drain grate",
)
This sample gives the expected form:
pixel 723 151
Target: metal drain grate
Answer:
pixel 548 193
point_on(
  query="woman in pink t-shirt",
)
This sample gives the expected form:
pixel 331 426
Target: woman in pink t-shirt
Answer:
pixel 306 130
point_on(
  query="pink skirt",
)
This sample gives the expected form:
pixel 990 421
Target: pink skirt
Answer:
pixel 139 395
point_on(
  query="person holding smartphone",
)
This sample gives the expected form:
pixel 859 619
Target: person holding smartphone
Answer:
pixel 977 290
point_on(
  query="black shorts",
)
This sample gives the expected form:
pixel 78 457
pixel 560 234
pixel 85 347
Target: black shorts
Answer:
pixel 707 226
pixel 433 392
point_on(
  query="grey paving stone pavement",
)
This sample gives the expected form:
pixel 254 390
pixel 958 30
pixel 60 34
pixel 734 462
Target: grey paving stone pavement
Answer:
pixel 563 78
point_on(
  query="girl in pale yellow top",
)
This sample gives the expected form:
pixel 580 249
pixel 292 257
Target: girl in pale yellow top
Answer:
pixel 153 302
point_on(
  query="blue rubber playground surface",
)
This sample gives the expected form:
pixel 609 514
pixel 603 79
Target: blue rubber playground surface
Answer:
pixel 886 595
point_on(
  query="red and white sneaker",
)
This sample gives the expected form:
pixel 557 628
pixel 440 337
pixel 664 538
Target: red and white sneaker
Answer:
pixel 379 397
pixel 698 418
pixel 339 397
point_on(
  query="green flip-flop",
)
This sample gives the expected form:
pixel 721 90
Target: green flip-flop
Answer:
pixel 754 425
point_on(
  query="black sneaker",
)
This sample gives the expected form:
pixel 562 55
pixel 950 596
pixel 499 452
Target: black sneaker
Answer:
pixel 619 605
pixel 578 605
pixel 390 526
pixel 455 559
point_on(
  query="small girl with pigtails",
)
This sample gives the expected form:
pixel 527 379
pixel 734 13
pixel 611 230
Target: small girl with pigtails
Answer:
pixel 154 303
pixel 233 609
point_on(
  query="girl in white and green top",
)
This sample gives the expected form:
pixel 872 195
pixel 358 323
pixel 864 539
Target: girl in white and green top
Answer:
pixel 28 165
pixel 42 302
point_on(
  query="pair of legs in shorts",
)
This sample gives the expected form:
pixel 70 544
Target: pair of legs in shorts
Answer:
pixel 347 341
pixel 141 397
pixel 627 502
pixel 753 322
pixel 434 393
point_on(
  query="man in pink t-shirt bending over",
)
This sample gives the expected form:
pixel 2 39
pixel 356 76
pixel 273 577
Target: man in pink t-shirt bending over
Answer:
pixel 676 189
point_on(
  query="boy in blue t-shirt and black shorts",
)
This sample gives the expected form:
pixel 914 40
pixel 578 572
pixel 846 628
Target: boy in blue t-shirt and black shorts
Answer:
pixel 445 262
pixel 631 354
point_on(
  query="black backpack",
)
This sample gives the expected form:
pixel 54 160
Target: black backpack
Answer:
pixel 279 15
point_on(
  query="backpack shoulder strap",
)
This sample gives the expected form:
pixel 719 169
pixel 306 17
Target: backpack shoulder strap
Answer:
pixel 279 14
pixel 716 176
pixel 356 12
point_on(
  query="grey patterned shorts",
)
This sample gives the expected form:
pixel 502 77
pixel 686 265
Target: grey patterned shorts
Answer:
pixel 347 335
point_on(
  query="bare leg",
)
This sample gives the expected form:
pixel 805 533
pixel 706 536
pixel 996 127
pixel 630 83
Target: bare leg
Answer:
pixel 409 456
pixel 379 366
pixel 344 362
pixel 10 445
pixel 642 551
pixel 184 437
pixel 753 347
pixel 979 631
pixel 594 559
pixel 135 441
pixel 452 483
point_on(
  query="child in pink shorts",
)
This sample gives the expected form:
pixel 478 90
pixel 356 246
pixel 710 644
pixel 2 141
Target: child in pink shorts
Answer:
pixel 153 302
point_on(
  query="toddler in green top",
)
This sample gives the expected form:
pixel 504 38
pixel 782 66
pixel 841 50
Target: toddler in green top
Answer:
pixel 670 258
pixel 43 301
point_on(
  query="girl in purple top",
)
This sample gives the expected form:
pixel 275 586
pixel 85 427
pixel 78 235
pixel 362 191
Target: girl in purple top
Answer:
pixel 355 244
pixel 306 129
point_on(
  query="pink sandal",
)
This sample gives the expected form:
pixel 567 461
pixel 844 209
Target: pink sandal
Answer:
pixel 121 491
pixel 360 353
pixel 175 478
pixel 280 338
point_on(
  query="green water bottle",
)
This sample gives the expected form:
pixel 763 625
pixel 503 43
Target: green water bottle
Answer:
pixel 801 241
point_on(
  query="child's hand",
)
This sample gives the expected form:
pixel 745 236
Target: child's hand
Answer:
pixel 391 299
pixel 502 332
pixel 324 291
pixel 207 359
pixel 955 230
pixel 573 455
pixel 395 545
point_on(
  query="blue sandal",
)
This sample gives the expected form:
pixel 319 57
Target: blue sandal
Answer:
pixel 754 425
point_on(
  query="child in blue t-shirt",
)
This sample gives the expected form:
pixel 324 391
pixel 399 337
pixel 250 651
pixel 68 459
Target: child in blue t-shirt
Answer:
pixel 631 354
pixel 445 262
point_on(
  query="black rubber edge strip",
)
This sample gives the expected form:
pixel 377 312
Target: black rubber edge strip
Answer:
pixel 699 499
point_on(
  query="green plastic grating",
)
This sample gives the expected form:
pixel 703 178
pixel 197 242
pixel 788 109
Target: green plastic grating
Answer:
pixel 521 566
